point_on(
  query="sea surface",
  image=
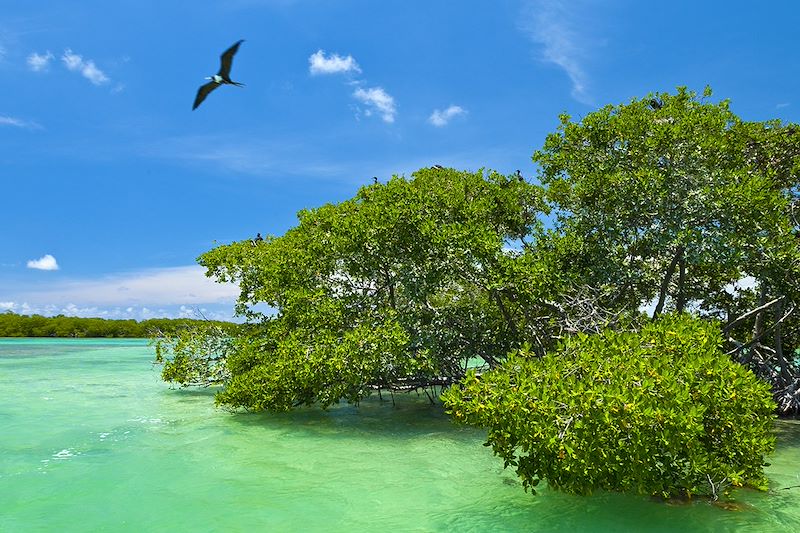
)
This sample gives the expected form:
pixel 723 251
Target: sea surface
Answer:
pixel 92 440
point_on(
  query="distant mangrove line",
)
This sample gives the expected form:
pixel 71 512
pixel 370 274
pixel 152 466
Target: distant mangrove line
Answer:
pixel 14 325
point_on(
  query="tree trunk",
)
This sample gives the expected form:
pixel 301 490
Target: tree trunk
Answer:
pixel 785 375
pixel 506 315
pixel 681 303
pixel 390 286
pixel 662 293
pixel 758 327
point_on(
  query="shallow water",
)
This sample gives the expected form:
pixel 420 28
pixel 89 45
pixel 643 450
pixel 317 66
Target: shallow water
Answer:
pixel 92 440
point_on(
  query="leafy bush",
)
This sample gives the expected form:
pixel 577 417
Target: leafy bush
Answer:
pixel 658 411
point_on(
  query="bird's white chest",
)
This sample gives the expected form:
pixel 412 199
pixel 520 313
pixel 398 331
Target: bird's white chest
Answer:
pixel 217 78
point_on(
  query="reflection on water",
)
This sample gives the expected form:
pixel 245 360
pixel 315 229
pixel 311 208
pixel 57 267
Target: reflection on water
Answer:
pixel 92 440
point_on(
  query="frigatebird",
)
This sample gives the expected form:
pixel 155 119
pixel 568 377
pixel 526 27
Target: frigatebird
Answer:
pixel 220 78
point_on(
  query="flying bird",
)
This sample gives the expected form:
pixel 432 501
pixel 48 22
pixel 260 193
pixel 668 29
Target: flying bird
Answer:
pixel 220 78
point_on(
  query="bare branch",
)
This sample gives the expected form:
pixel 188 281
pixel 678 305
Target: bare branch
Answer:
pixel 750 313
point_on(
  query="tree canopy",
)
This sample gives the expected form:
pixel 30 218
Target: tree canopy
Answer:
pixel 671 199
pixel 623 296
pixel 399 288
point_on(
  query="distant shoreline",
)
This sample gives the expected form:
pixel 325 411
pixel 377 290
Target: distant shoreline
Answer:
pixel 13 325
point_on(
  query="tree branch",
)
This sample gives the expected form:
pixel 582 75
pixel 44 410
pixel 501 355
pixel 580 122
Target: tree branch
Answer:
pixel 662 293
pixel 750 313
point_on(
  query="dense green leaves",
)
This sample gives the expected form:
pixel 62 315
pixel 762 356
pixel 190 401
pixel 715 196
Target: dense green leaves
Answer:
pixel 397 288
pixel 673 198
pixel 669 201
pixel 659 411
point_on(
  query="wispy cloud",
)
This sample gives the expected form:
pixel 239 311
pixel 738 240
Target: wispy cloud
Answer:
pixel 86 68
pixel 376 99
pixel 318 63
pixel 19 123
pixel 552 25
pixel 269 159
pixel 782 105
pixel 185 285
pixel 136 312
pixel 298 160
pixel 46 262
pixel 440 118
pixel 40 62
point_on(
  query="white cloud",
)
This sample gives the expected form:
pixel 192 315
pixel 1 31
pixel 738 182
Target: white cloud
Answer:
pixel 164 292
pixel 154 287
pixel 334 64
pixel 72 61
pixel 378 99
pixel 551 23
pixel 18 123
pixel 87 68
pixel 211 312
pixel 46 262
pixel 441 118
pixel 39 62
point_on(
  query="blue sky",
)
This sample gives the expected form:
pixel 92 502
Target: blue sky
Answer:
pixel 112 185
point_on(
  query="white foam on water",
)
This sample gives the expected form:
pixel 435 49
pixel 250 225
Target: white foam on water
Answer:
pixel 104 435
pixel 146 420
pixel 64 454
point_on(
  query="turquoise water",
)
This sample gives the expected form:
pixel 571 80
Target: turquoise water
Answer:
pixel 92 440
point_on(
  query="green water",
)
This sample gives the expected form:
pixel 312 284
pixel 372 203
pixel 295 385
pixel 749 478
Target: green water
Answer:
pixel 91 440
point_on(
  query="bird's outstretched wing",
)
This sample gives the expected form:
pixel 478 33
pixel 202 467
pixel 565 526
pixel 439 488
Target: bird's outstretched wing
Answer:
pixel 226 59
pixel 202 92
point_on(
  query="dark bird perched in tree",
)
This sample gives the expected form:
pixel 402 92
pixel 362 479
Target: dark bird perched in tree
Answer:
pixel 258 239
pixel 438 167
pixel 656 104
pixel 375 179
pixel 220 78
pixel 519 176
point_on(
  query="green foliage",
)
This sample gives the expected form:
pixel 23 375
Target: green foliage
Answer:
pixel 671 197
pixel 659 411
pixel 396 288
pixel 668 201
